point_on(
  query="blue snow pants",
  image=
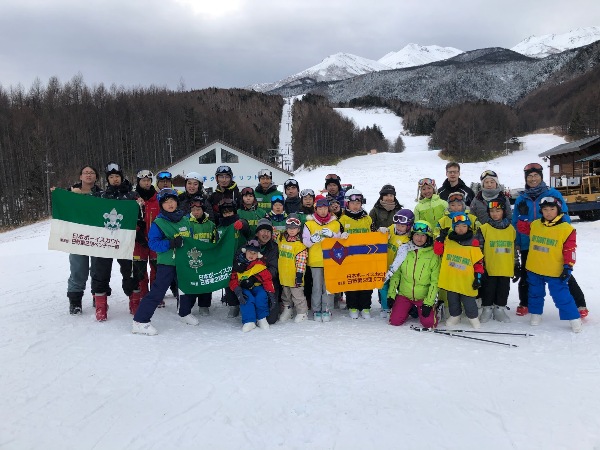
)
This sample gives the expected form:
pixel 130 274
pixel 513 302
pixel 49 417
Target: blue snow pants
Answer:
pixel 257 304
pixel 559 290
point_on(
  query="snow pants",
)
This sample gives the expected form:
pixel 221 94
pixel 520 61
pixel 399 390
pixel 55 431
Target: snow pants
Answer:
pixel 358 300
pixel 559 290
pixel 187 302
pixel 321 299
pixel 401 308
pixel 294 296
pixel 164 277
pixel 574 288
pixel 102 272
pixel 468 303
pixel 308 284
pixel 81 268
pixel 494 290
pixel 256 306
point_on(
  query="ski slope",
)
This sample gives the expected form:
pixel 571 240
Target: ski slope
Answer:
pixel 73 383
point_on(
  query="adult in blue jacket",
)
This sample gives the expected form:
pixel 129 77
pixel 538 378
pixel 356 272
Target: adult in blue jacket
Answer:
pixel 526 210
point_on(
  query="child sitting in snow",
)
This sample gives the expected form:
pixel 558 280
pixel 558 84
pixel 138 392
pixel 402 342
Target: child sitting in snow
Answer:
pixel 253 286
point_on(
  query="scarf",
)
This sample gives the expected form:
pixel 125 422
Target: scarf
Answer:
pixel 174 216
pixel 490 194
pixel 535 192
pixel 460 237
pixel 146 194
pixel 322 220
pixel 356 215
pixel 499 224
pixel 388 206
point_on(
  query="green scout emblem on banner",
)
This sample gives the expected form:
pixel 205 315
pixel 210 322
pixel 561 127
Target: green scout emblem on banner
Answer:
pixel 86 225
pixel 204 267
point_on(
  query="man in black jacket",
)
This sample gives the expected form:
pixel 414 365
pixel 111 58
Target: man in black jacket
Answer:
pixel 453 183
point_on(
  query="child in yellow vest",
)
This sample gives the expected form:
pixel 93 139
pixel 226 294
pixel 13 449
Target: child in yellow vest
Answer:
pixel 552 244
pixel 356 220
pixel 461 269
pixel 456 203
pixel 292 265
pixel 322 224
pixel 501 261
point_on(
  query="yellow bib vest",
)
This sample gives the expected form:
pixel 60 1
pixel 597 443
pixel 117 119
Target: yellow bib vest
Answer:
pixel 546 248
pixel 287 260
pixel 315 252
pixel 457 273
pixel 499 250
pixel 394 242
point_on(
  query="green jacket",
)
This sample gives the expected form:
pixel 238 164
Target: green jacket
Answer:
pixel 263 198
pixel 417 277
pixel 430 209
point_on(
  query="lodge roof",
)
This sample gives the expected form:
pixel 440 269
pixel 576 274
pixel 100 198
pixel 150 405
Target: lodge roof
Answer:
pixel 571 147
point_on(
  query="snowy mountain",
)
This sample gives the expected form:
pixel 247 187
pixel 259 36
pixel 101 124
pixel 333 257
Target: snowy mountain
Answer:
pixel 550 44
pixel 418 55
pixel 335 67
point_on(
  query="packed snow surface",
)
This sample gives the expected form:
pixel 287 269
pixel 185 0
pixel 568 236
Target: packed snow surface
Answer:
pixel 69 382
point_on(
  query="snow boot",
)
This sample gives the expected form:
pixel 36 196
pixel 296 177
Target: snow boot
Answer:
pixel 384 313
pixel 576 325
pixel 317 316
pixel 75 302
pixel 248 326
pixel 452 320
pixel 143 328
pixel 286 314
pixel 583 312
pixel 300 318
pixel 500 314
pixel 101 307
pixel 189 319
pixel 366 313
pixel 204 310
pixel 486 314
pixel 535 320
pixel 353 313
pixel 233 311
pixel 134 301
pixel 263 324
pixel 326 316
pixel 522 310
pixel 475 323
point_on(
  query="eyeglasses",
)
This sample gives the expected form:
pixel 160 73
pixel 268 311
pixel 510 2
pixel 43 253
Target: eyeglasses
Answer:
pixel 355 198
pixel 144 174
pixel 424 181
pixel 164 175
pixel 460 218
pixel 306 192
pixel 225 170
pixel 113 167
pixel 421 228
pixel 247 191
pixel 533 166
pixel 91 172
pixel 452 172
pixel 402 219
pixel 293 221
pixel 495 205
pixel 456 197
pixel 488 173
pixel 265 173
pixel 332 176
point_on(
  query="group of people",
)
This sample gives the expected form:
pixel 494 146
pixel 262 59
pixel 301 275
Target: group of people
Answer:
pixel 455 247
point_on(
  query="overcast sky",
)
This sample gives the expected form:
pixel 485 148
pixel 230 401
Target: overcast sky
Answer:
pixel 234 43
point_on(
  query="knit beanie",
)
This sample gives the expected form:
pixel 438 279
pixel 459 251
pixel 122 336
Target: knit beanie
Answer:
pixel 264 224
pixel 490 174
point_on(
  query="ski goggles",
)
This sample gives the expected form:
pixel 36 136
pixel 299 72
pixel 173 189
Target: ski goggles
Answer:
pixel 291 182
pixel 247 191
pixel 197 204
pixel 277 198
pixel 293 222
pixel 424 181
pixel 164 175
pixel 548 201
pixel 306 192
pixel 494 204
pixel 113 167
pixel 144 174
pixel 532 166
pixel 332 177
pixel 488 173
pixel 265 173
pixel 456 197
pixel 461 218
pixel 355 198
pixel 421 228
pixel 401 219
pixel 224 170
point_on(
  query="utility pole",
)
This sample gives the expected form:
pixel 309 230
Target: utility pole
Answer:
pixel 48 172
pixel 170 144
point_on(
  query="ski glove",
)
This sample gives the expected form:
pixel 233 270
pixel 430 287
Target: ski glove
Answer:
pixel 390 302
pixel 316 237
pixel 299 277
pixel 443 234
pixel 176 242
pixel 517 275
pixel 238 225
pixel 523 209
pixel 344 235
pixel 477 281
pixel 272 298
pixel 383 230
pixel 326 232
pixel 438 248
pixel 566 273
pixel 248 283
pixel 240 295
pixel 523 225
pixel 425 310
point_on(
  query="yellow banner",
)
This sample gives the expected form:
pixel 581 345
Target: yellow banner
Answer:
pixel 355 264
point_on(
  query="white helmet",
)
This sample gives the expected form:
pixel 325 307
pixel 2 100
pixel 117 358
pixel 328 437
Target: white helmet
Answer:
pixel 354 194
pixel 194 176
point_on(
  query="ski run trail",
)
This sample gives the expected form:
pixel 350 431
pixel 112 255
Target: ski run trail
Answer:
pixel 69 382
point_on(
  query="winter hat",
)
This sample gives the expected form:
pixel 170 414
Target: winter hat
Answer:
pixel 489 174
pixel 387 189
pixel 333 178
pixel 252 246
pixel 533 167
pixel 165 194
pixel 457 197
pixel 458 218
pixel 551 201
pixel 292 221
pixel 112 168
pixel 321 200
pixel 264 224
pixel 277 199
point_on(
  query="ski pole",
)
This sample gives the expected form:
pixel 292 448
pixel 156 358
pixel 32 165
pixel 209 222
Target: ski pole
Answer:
pixel 449 334
pixel 482 332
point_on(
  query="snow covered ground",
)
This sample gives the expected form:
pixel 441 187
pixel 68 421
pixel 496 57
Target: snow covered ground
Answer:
pixel 73 383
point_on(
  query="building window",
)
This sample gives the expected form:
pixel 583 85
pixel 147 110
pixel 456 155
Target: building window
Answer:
pixel 556 168
pixel 208 158
pixel 228 157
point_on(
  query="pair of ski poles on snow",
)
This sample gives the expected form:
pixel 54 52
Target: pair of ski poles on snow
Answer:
pixel 459 334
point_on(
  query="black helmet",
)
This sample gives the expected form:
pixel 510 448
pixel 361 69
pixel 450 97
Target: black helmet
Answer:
pixel 224 170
